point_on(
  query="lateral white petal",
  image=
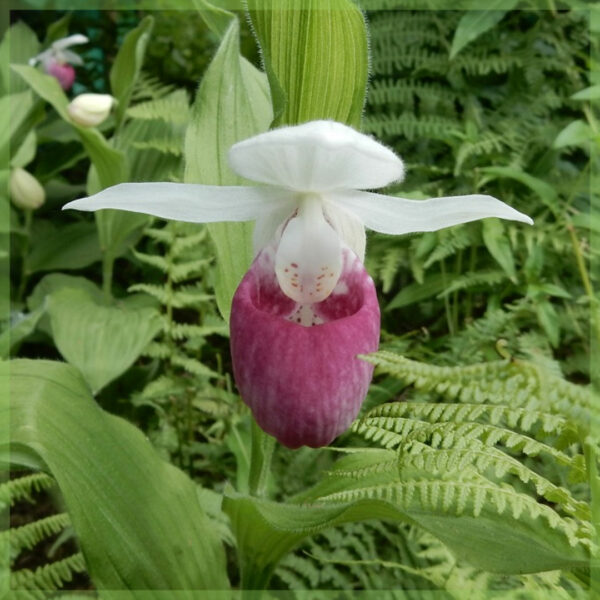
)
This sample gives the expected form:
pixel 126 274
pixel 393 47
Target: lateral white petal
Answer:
pixel 67 56
pixel 316 157
pixel 392 215
pixel 190 202
pixel 71 40
pixel 308 260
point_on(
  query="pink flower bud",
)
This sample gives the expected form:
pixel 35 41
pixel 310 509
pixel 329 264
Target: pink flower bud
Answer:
pixel 63 72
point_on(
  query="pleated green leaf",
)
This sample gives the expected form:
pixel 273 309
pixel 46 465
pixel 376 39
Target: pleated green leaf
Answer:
pixel 137 518
pixel 232 104
pixel 101 341
pixel 316 56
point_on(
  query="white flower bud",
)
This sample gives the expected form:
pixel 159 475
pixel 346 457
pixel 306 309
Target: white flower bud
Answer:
pixel 89 110
pixel 25 190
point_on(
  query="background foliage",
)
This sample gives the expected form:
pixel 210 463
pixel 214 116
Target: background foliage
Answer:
pixel 488 328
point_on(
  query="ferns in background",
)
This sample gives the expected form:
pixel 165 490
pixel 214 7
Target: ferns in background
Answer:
pixel 192 399
pixel 24 540
pixel 486 121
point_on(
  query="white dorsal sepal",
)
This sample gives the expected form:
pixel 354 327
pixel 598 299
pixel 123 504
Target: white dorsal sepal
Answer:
pixel 308 262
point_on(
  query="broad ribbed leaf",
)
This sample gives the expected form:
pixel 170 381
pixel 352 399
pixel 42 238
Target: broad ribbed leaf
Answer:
pixel 101 341
pixel 137 518
pixel 315 54
pixel 232 104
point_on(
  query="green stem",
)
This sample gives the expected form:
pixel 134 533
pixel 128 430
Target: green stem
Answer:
pixel 447 301
pixel 25 252
pixel 108 262
pixel 260 460
pixel 585 279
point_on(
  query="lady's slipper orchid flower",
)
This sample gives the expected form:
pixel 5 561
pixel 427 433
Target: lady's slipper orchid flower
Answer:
pixel 306 308
pixel 57 59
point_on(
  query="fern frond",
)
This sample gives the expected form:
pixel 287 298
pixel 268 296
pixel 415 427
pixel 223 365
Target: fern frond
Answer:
pixel 464 497
pixel 49 577
pixel 148 86
pixel 171 108
pixel 195 236
pixel 156 291
pixel 154 260
pixel 181 331
pixel 23 488
pixel 193 366
pixel 448 242
pixel 27 536
pixel 474 281
pixel 189 296
pixel 413 127
pixel 512 383
pixel 391 432
pixel 421 456
pixel 187 270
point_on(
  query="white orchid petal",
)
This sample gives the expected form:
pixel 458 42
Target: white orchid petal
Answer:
pixel 348 227
pixel 71 40
pixel 308 261
pixel 269 226
pixel 66 56
pixel 392 215
pixel 316 157
pixel 186 201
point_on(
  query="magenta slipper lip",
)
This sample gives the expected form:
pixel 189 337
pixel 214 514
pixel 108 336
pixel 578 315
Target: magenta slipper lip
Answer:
pixel 304 385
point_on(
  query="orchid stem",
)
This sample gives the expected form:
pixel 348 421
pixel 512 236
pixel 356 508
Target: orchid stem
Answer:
pixel 260 460
pixel 25 252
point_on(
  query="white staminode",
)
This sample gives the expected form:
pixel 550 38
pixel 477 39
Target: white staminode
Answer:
pixel 312 204
pixel 59 52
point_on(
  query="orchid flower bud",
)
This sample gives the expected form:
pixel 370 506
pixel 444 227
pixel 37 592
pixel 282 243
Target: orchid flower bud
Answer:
pixel 26 191
pixel 89 110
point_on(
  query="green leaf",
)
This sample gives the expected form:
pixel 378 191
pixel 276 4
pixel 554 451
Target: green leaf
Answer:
pixel 137 518
pixel 25 153
pixel 128 64
pixel 548 319
pixel 497 242
pixel 216 18
pixel 543 189
pixel 416 292
pixel 73 246
pixel 589 93
pixel 19 330
pixel 19 44
pixel 118 230
pixel 231 86
pixel 101 341
pixel 475 23
pixel 575 133
pixel 316 57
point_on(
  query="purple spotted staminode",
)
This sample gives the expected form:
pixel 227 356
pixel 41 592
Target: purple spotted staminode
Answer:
pixel 306 308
